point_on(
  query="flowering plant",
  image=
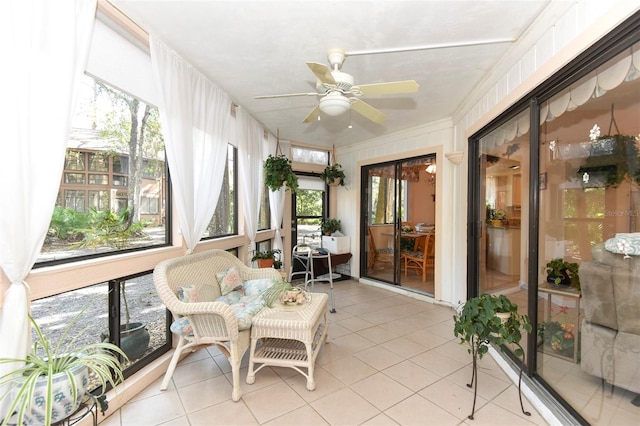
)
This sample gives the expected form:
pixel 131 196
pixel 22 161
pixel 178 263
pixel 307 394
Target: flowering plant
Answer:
pixel 561 336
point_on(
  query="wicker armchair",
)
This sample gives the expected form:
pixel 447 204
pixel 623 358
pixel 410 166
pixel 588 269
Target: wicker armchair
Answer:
pixel 213 323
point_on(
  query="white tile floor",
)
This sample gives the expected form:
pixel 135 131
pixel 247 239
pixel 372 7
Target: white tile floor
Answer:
pixel 390 360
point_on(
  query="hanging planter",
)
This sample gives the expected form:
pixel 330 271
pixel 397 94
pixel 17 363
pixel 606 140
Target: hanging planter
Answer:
pixel 613 158
pixel 333 174
pixel 278 171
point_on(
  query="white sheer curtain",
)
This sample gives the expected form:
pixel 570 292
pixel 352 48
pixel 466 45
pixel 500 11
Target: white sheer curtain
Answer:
pixel 250 136
pixel 45 48
pixel 276 198
pixel 195 123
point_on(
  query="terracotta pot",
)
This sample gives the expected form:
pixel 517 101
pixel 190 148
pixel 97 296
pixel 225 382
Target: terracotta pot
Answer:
pixel 265 263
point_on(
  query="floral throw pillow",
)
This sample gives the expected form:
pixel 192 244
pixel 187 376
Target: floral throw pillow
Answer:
pixel 188 294
pixel 229 280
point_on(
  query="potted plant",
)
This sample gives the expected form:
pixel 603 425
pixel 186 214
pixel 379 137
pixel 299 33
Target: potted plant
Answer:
pixel 489 319
pixel 563 273
pixel 333 175
pixel 278 172
pixel 330 225
pixel 53 379
pixel 267 258
pixel 134 336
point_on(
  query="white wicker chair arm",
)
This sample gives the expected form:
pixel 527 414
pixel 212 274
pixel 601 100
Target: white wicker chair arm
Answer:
pixel 212 319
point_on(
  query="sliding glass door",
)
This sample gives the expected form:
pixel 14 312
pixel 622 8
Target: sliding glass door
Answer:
pixel 398 208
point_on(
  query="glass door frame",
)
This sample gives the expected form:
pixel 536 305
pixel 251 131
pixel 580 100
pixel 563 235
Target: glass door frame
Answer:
pixel 623 37
pixel 295 217
pixel 399 204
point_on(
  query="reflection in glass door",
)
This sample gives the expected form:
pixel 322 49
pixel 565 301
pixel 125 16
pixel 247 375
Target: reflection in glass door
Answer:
pixel 399 222
pixel 503 195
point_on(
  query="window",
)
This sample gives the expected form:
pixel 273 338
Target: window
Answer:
pixel 110 202
pixel 74 200
pixel 98 179
pixel 142 331
pixel 225 218
pixel 74 160
pixel 308 155
pixel 99 200
pixel 120 180
pixel 120 164
pixel 74 178
pixel 98 162
pixel 149 205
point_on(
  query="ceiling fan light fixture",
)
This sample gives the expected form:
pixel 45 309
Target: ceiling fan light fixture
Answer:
pixel 335 104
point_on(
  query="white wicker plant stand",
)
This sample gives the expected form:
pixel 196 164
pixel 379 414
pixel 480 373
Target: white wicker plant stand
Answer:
pixel 290 336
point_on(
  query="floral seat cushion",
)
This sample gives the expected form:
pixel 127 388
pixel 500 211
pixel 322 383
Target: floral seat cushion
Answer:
pixel 245 302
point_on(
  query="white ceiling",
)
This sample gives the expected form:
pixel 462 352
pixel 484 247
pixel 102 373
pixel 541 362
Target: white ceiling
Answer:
pixel 251 48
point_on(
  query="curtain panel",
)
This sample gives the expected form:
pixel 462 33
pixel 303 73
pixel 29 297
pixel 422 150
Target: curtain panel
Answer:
pixel 45 46
pixel 250 136
pixel 196 120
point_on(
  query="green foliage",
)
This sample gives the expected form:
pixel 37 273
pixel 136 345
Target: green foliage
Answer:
pixel 477 325
pixel 278 171
pixel 67 223
pixel 266 254
pixel 48 359
pixel 273 292
pixel 330 225
pixel 558 268
pixel 309 202
pixel 107 228
pixel 332 174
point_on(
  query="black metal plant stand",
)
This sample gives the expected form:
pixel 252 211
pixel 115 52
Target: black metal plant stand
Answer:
pixel 474 379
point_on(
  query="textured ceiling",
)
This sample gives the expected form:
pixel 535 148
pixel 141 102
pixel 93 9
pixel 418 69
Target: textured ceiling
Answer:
pixel 251 48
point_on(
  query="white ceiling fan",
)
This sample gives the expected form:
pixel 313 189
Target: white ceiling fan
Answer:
pixel 338 92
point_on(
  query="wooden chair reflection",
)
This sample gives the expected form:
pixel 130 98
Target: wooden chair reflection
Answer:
pixel 421 260
pixel 382 255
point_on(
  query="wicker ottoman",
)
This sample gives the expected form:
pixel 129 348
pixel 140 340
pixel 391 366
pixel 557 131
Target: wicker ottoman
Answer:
pixel 290 336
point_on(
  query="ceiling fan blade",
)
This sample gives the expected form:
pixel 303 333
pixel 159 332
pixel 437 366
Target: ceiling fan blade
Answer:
pixel 313 115
pixel 367 110
pixel 287 95
pixel 390 88
pixel 322 72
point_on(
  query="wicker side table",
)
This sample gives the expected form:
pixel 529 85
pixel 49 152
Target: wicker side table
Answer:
pixel 289 336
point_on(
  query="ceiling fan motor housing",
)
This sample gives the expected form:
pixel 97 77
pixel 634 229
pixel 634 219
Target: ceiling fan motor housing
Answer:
pixel 344 82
